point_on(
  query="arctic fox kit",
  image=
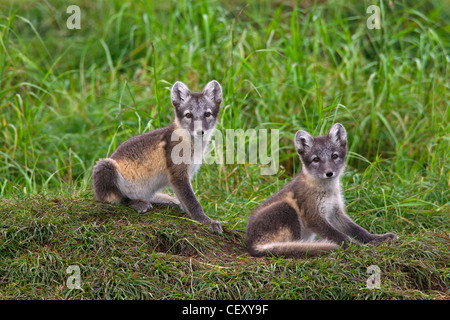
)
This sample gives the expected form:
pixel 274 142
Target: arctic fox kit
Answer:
pixel 311 204
pixel 145 164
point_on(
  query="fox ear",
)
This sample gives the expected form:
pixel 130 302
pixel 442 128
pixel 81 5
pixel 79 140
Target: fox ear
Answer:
pixel 337 134
pixel 213 92
pixel 179 93
pixel 303 141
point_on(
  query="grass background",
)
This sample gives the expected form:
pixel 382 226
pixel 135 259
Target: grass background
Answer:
pixel 69 97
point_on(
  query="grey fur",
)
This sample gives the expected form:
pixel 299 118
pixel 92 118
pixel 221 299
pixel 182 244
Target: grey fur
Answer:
pixel 143 165
pixel 311 204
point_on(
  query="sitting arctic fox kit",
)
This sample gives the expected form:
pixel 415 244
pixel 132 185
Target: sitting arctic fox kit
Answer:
pixel 311 204
pixel 143 165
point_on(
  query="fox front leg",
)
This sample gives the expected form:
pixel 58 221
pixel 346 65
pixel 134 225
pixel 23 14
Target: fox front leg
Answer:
pixel 183 189
pixel 345 224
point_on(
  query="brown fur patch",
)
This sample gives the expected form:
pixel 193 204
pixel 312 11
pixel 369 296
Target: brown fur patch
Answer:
pixel 281 235
pixel 289 199
pixel 152 163
pixel 112 198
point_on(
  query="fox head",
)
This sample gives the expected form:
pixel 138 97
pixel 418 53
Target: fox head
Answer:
pixel 323 157
pixel 196 112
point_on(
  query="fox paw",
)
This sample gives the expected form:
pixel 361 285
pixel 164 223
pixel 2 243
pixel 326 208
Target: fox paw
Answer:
pixel 384 237
pixel 389 236
pixel 141 206
pixel 215 226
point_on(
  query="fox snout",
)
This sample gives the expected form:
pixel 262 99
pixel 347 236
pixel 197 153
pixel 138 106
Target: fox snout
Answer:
pixel 331 172
pixel 199 128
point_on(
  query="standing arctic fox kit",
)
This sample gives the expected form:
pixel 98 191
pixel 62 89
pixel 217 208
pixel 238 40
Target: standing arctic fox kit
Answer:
pixel 145 164
pixel 311 204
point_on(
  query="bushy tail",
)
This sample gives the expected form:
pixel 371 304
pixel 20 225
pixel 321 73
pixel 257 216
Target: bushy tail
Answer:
pixel 104 177
pixel 292 249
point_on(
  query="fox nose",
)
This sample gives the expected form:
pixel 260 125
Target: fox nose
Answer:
pixel 200 132
pixel 329 174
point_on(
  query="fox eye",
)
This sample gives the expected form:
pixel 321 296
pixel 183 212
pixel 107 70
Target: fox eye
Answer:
pixel 207 114
pixel 188 115
pixel 316 159
pixel 334 156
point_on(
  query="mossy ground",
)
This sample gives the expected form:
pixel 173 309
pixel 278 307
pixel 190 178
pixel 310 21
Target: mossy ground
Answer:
pixel 164 255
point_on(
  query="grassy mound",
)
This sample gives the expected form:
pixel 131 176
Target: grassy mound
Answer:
pixel 164 255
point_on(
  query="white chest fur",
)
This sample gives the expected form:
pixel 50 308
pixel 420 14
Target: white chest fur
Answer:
pixel 331 201
pixel 329 204
pixel 143 189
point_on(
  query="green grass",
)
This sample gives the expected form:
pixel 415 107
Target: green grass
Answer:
pixel 69 97
pixel 161 255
